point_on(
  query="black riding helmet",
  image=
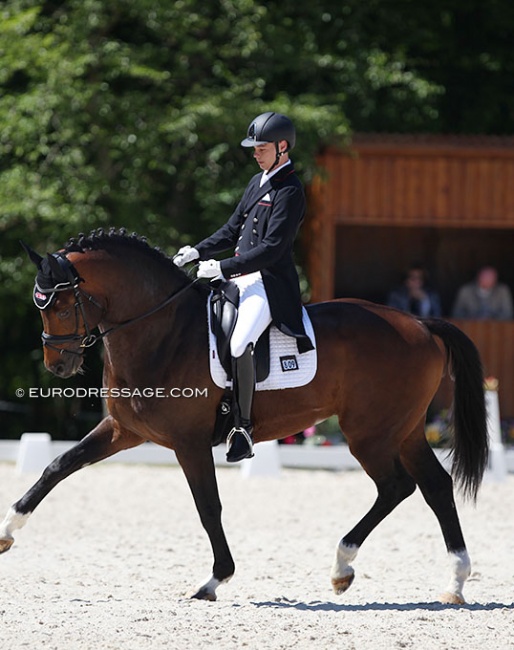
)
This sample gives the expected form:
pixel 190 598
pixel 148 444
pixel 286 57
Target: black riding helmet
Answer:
pixel 271 127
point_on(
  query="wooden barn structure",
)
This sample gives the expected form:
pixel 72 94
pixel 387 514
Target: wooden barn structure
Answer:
pixel 444 201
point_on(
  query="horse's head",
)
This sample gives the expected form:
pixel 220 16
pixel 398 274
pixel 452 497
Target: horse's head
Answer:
pixel 68 313
pixel 125 282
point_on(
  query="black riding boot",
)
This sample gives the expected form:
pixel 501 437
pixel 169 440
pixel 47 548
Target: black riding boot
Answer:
pixel 239 440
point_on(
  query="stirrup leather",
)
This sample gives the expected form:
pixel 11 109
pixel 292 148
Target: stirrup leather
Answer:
pixel 245 435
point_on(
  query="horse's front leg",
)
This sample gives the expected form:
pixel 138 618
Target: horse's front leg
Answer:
pixel 103 441
pixel 198 466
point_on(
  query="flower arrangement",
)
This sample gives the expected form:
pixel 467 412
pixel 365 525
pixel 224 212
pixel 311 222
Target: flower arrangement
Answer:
pixel 437 429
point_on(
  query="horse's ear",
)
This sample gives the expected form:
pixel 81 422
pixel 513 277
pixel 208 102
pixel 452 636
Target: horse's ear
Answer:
pixel 35 258
pixel 55 269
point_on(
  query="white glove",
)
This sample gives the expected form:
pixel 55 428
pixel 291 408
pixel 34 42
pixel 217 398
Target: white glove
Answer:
pixel 185 254
pixel 210 269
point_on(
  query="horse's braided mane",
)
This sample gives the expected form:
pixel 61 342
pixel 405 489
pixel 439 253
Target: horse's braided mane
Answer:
pixel 99 239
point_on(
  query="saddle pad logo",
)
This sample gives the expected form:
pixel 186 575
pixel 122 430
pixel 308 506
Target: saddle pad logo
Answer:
pixel 288 363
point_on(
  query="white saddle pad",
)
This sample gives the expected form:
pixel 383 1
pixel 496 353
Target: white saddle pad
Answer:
pixel 288 368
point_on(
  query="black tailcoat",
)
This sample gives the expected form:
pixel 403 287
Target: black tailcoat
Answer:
pixel 262 230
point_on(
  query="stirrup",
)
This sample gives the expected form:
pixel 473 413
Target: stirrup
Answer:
pixel 239 446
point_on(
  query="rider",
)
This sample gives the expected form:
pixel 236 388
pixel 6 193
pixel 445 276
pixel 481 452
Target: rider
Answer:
pixel 261 231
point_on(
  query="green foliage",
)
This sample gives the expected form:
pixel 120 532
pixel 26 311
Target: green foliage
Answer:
pixel 443 66
pixel 130 112
pixel 123 113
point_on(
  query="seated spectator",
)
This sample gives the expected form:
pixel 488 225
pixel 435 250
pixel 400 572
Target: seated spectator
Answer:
pixel 484 298
pixel 414 296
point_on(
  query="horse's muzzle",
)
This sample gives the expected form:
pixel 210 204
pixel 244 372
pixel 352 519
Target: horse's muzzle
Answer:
pixel 64 366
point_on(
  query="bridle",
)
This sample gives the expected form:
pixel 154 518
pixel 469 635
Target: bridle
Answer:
pixel 88 338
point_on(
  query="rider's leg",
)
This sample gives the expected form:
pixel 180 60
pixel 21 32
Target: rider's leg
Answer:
pixel 239 440
pixel 253 318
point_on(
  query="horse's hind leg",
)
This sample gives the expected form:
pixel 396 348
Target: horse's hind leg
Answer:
pixel 198 466
pixel 436 486
pixel 393 486
pixel 103 441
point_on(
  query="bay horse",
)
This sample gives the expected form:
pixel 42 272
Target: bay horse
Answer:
pixel 378 370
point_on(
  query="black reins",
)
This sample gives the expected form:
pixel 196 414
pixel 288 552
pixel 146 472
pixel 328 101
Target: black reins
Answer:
pixel 88 339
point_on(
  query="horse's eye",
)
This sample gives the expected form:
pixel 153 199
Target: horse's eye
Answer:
pixel 62 315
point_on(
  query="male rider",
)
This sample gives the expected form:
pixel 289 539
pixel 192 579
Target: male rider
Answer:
pixel 261 232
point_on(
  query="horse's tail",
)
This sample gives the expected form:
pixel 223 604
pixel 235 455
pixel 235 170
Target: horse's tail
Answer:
pixel 469 417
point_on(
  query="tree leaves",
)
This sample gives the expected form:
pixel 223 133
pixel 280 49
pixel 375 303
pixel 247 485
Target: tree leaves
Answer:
pixel 130 112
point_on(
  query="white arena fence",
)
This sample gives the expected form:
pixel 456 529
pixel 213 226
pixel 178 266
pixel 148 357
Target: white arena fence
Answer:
pixel 335 457
pixel 34 451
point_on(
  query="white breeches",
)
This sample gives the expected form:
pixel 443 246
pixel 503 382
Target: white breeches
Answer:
pixel 254 314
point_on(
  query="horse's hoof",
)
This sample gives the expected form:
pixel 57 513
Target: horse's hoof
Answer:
pixel 205 594
pixel 451 599
pixel 340 585
pixel 5 544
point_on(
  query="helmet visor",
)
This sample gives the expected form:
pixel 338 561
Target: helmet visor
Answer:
pixel 253 142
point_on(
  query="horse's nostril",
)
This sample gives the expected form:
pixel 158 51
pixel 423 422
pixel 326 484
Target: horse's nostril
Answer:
pixel 58 369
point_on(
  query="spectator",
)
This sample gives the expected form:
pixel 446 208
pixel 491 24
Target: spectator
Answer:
pixel 414 296
pixel 484 298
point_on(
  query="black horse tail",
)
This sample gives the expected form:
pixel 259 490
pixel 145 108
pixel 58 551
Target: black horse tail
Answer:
pixel 469 416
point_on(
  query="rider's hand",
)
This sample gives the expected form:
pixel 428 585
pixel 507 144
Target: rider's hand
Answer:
pixel 185 254
pixel 210 269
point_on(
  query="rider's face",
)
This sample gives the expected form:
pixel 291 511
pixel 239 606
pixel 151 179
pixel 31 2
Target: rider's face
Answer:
pixel 265 154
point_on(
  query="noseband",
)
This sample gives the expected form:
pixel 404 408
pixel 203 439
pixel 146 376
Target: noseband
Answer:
pixel 88 338
pixel 54 341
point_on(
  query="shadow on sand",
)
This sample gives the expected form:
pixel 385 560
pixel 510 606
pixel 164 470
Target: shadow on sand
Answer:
pixel 319 606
